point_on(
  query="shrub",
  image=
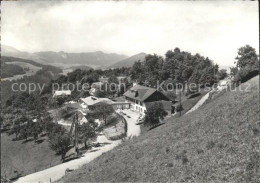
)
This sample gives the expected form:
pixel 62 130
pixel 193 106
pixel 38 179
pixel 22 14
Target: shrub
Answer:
pixel 154 114
pixel 179 108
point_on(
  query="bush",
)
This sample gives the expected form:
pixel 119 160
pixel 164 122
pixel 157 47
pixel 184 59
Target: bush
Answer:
pixel 194 95
pixel 154 114
pixel 112 120
pixel 179 108
pixel 192 90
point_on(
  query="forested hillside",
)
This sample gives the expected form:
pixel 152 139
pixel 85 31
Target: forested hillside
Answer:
pixel 9 70
pixel 53 69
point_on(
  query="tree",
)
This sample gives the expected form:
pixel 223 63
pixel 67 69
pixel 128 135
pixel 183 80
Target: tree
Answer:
pixel 222 74
pixel 153 69
pixel 154 114
pixel 100 93
pixel 104 109
pixel 124 85
pixel 90 78
pixel 247 64
pixel 247 57
pixel 60 143
pixel 60 100
pixel 59 139
pixel 233 71
pixel 113 79
pixel 25 132
pixel 179 108
pixel 15 130
pixel 112 85
pixel 88 131
pixel 37 129
pixel 137 71
pixel 18 128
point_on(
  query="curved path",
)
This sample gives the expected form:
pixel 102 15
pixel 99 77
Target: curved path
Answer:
pixel 199 103
pixel 132 128
pixel 221 86
pixel 57 172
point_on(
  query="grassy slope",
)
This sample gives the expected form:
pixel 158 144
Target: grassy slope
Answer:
pixel 187 104
pixel 25 158
pixel 218 142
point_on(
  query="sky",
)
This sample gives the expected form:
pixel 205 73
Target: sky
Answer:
pixel 214 29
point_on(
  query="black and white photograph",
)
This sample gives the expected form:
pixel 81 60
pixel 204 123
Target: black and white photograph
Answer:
pixel 130 91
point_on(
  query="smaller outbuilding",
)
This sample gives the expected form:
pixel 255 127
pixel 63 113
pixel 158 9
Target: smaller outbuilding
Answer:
pixel 61 92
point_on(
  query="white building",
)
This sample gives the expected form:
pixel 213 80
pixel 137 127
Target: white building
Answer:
pixel 142 97
pixel 61 92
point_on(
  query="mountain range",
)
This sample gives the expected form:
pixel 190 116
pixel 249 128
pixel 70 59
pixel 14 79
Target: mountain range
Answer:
pixel 96 59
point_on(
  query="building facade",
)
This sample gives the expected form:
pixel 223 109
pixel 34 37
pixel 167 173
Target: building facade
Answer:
pixel 141 97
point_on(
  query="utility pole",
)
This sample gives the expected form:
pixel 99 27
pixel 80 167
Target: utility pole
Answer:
pixel 180 104
pixel 76 134
pixel 259 71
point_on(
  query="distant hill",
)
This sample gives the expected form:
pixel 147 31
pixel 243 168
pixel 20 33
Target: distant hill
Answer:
pixel 13 60
pixel 90 58
pixel 13 52
pixel 93 59
pixel 82 67
pixel 129 62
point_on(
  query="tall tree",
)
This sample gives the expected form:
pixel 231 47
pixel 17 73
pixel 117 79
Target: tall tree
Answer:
pixel 59 139
pixel 137 72
pixel 88 131
pixel 153 69
pixel 247 64
pixel 60 143
pixel 247 57
pixel 222 74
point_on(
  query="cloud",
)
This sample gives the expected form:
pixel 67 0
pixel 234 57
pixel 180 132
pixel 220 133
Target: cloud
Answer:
pixel 213 29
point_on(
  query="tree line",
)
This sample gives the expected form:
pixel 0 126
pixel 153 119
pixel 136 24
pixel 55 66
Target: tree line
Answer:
pixel 178 66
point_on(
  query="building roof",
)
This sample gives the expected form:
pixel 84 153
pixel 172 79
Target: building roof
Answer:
pixel 94 100
pixel 139 92
pixel 97 84
pixel 62 92
pixel 121 77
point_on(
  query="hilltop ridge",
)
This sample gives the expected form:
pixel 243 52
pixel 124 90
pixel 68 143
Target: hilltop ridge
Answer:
pixel 129 62
pixel 97 58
